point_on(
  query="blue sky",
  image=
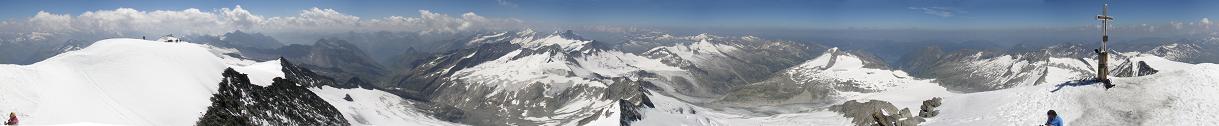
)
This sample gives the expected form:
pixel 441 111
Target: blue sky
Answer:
pixel 883 14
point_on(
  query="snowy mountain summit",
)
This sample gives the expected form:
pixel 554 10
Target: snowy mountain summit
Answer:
pixel 119 81
pixel 141 82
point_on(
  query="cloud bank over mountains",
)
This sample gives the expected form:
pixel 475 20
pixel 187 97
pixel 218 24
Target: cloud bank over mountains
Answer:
pixel 125 21
pixel 129 22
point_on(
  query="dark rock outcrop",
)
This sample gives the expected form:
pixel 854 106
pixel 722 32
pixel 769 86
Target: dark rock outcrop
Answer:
pixel 306 77
pixel 629 110
pixel 1133 69
pixel 282 103
pixel 862 112
pixel 1145 70
pixel 927 110
pixel 873 113
pixel 348 97
pixel 1125 69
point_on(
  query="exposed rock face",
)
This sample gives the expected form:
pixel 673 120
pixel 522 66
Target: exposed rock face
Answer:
pixel 906 118
pixel 862 112
pixel 305 77
pixel 1145 70
pixel 927 110
pixel 629 112
pixel 1134 69
pixel 1125 69
pixel 881 119
pixel 347 97
pixel 873 113
pixel 282 103
pixel 629 108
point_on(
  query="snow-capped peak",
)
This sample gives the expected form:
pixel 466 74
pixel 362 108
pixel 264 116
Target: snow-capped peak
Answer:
pixel 526 32
pixel 704 36
pixel 837 66
pixel 119 81
pixel 832 58
pixel 566 40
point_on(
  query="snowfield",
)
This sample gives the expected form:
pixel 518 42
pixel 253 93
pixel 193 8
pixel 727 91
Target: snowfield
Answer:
pixel 673 112
pixel 515 71
pixel 120 81
pixel 375 107
pixel 839 68
pixel 1180 94
pixel 140 82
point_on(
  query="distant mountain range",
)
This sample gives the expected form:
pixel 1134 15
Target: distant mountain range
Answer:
pixel 562 78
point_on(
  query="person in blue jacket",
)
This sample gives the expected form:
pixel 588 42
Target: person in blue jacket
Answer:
pixel 1054 120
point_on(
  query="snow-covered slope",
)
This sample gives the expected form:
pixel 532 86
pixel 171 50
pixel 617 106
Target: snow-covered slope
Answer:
pixel 546 85
pixel 670 111
pixel 831 78
pixel 1180 94
pixel 120 81
pixel 673 112
pixel 566 40
pixel 518 69
pixel 976 71
pixel 718 64
pixel 839 68
pixel 375 107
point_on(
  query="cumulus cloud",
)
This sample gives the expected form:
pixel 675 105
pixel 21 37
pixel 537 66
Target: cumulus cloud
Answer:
pixel 937 11
pixel 506 3
pixel 44 21
pixel 127 20
pixel 437 22
pixel 195 21
pixel 1206 23
pixel 240 18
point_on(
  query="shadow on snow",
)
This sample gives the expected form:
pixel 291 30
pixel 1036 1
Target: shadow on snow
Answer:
pixel 1076 83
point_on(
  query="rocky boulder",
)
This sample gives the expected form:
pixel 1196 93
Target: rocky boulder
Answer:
pixel 928 107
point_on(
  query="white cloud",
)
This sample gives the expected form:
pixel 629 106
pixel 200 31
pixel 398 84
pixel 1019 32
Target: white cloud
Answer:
pixel 241 18
pixel 127 20
pixel 316 17
pixel 506 3
pixel 938 11
pixel 194 21
pixel 313 19
pixel 437 22
pixel 1177 25
pixel 44 21
pixel 1205 23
